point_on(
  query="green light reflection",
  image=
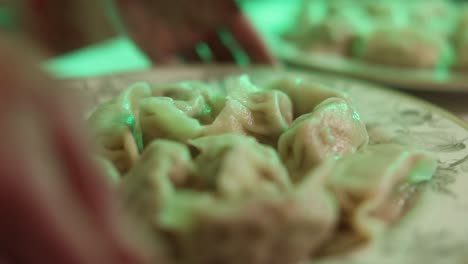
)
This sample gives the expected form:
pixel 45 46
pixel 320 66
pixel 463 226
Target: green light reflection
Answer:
pixel 113 56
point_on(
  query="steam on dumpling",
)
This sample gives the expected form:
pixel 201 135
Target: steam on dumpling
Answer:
pixel 250 110
pixel 334 128
pixel 238 167
pixel 114 128
pixel 163 166
pixel 160 118
pixel 305 96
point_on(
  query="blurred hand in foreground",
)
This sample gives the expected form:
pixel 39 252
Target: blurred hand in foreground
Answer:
pixel 55 206
pixel 166 30
pixel 172 29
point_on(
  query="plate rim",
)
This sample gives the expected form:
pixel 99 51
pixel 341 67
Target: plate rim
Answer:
pixel 290 54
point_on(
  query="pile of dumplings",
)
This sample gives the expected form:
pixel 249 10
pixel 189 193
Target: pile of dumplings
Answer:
pixel 401 33
pixel 237 173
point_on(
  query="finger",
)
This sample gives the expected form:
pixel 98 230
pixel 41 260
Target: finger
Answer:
pixel 47 208
pixel 219 48
pixel 40 209
pixel 157 42
pixel 24 85
pixel 71 202
pixel 70 143
pixel 90 186
pixel 162 35
pixel 250 41
pixel 155 36
pixel 191 55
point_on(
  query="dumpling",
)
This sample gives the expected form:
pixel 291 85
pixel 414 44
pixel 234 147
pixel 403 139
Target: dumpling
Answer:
pixel 163 166
pixel 461 48
pixel 319 203
pixel 337 7
pixel 160 118
pixel 108 169
pixel 210 188
pixel 271 113
pixel 251 202
pixel 196 99
pixel 209 229
pixel 380 9
pixel 438 16
pixel 305 96
pixel 264 114
pixel 230 120
pixel 334 34
pixel 207 151
pixel 462 20
pixel 404 47
pixel 130 98
pixel 460 41
pixel 374 186
pixel 237 166
pixel 114 130
pixel 249 110
pixel 334 128
pixel 385 13
pixel 253 232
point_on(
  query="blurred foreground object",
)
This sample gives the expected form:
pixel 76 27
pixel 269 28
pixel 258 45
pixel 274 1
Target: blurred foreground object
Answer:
pixel 56 205
pixel 167 31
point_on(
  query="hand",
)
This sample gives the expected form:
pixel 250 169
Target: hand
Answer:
pixel 55 206
pixel 166 30
pixel 169 29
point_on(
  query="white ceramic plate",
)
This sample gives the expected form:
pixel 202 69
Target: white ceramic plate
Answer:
pixel 435 231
